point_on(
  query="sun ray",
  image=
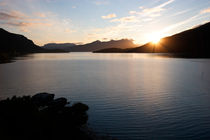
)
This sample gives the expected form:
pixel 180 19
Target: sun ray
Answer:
pixel 155 37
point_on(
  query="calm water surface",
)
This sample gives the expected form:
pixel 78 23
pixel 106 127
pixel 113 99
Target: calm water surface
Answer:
pixel 131 96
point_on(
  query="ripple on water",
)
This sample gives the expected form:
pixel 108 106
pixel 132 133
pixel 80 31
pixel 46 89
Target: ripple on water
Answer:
pixel 130 96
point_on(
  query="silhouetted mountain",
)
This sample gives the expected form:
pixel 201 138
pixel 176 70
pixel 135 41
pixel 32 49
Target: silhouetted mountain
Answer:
pixel 11 42
pixel 96 45
pixel 62 46
pixel 193 43
pixel 12 45
pixel 110 50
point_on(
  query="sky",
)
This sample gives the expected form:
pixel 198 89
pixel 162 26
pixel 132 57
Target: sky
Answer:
pixel 84 21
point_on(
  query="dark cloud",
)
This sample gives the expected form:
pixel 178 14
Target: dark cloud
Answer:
pixel 18 24
pixel 24 24
pixel 7 16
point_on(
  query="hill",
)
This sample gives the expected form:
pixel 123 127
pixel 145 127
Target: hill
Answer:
pixel 62 46
pixel 11 42
pixel 12 45
pixel 111 50
pixel 93 46
pixel 193 43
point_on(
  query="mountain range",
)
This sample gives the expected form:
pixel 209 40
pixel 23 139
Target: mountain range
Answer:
pixel 12 45
pixel 62 46
pixel 93 46
pixel 193 43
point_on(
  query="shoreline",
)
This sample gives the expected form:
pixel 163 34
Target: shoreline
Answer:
pixel 42 116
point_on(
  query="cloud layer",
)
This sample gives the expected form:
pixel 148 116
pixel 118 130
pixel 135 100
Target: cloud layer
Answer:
pixel 205 11
pixel 71 21
pixel 109 16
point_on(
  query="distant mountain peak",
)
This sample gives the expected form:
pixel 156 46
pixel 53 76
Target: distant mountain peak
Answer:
pixel 194 42
pixel 93 46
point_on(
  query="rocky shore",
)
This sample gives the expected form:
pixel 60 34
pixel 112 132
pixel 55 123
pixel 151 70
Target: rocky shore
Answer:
pixel 42 117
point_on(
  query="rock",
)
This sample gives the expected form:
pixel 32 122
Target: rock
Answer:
pixel 41 117
pixel 79 115
pixel 57 103
pixel 80 107
pixel 42 99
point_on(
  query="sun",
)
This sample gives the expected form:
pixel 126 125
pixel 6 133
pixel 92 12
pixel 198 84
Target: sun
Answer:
pixel 155 37
pixel 155 40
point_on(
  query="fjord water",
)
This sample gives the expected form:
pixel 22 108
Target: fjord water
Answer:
pixel 131 96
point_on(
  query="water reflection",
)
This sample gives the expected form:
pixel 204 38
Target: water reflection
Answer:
pixel 131 96
pixel 92 56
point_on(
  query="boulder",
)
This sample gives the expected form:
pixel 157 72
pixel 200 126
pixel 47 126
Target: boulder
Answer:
pixel 57 103
pixel 42 99
pixel 80 107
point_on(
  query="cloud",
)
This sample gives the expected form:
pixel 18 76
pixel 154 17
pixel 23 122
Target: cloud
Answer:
pixel 20 24
pixel 50 1
pixel 25 24
pixel 101 2
pixel 109 16
pixel 180 12
pixel 204 11
pixel 121 30
pixel 3 3
pixel 152 12
pixel 141 7
pixel 195 17
pixel 39 25
pixel 105 39
pixel 7 16
pixel 67 30
pixel 125 19
pixel 133 12
pixel 19 19
pixel 41 15
pixel 178 24
pixel 156 10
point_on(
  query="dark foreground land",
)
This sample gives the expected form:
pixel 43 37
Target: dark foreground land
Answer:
pixel 13 45
pixel 42 117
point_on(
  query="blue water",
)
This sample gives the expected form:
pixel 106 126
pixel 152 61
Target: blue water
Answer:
pixel 131 96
